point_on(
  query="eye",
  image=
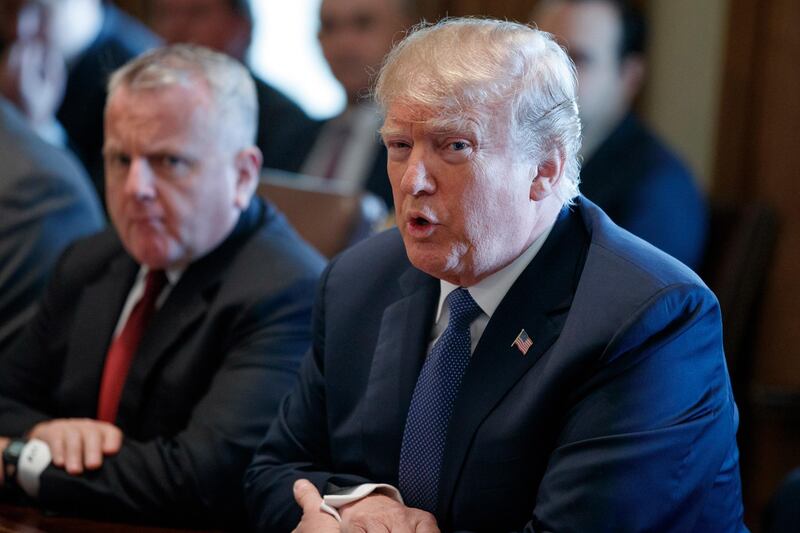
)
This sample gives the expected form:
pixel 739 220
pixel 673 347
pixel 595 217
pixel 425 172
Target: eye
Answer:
pixel 116 160
pixel 169 160
pixel 363 22
pixel 397 149
pixel 397 145
pixel 456 150
pixel 170 164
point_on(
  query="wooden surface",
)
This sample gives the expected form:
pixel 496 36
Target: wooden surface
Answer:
pixel 17 519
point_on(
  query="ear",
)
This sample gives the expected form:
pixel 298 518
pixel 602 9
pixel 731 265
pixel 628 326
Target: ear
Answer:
pixel 248 172
pixel 547 174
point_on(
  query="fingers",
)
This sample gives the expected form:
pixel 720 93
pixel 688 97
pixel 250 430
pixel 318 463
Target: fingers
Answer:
pixel 307 496
pixel 112 439
pixel 54 439
pixel 92 449
pixel 78 444
pixel 428 525
pixel 73 450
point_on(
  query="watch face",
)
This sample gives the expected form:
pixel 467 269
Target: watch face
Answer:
pixel 13 450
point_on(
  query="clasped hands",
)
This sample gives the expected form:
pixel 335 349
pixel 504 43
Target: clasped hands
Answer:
pixel 374 513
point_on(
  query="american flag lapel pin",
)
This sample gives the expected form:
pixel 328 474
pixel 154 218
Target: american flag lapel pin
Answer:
pixel 522 342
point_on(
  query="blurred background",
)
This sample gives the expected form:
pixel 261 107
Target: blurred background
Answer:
pixel 722 84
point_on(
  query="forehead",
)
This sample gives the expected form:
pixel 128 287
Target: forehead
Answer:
pixel 586 26
pixel 159 111
pixel 435 120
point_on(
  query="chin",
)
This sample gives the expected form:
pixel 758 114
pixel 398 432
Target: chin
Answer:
pixel 446 265
pixel 155 258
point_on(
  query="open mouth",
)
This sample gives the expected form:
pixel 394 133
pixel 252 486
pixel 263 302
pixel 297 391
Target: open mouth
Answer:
pixel 420 222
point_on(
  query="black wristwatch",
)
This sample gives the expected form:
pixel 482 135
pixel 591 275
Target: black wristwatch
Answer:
pixel 10 460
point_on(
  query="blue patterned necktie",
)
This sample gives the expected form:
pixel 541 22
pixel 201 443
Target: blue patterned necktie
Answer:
pixel 432 405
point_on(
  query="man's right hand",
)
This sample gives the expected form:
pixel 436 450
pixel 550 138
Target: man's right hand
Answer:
pixel 78 443
pixel 314 520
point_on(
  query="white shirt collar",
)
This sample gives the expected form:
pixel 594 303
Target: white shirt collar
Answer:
pixel 173 275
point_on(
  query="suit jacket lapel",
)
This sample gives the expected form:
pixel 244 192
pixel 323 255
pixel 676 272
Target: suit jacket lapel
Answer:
pixel 399 353
pixel 538 302
pixel 96 315
pixel 186 304
pixel 183 308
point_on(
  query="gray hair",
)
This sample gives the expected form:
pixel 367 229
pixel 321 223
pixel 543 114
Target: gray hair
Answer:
pixel 232 90
pixel 479 64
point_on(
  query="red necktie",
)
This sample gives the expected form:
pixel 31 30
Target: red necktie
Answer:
pixel 120 354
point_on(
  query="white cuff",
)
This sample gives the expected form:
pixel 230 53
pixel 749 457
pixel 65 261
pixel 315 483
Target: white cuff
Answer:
pixel 33 459
pixel 332 502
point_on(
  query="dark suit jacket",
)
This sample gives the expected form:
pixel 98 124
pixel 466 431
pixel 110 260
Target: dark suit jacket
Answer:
pixel 121 38
pixel 46 202
pixel 285 133
pixel 640 183
pixel 205 382
pixel 619 418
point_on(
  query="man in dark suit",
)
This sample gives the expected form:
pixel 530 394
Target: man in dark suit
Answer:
pixel 628 171
pixel 508 359
pixel 161 349
pixel 355 35
pixel 285 132
pixel 47 202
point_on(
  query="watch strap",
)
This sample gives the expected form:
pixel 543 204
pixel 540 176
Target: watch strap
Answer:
pixel 11 456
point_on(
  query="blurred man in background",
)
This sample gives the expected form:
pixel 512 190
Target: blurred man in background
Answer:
pixel 46 202
pixel 355 35
pixel 67 47
pixel 284 131
pixel 627 170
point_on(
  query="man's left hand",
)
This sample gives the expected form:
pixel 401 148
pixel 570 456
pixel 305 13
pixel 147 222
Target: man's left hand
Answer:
pixel 78 443
pixel 3 443
pixel 379 513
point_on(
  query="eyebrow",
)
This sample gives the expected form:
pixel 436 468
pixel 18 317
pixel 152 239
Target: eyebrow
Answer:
pixel 385 131
pixel 453 124
pixel 439 126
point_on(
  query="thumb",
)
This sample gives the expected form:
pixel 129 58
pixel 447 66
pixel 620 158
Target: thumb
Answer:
pixel 306 495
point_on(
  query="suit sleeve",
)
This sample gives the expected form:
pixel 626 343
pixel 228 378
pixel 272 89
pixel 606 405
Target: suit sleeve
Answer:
pixel 42 214
pixel 32 363
pixel 648 443
pixel 194 475
pixel 296 445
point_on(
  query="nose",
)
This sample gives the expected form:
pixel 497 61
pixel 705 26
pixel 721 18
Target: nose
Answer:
pixel 140 181
pixel 417 179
